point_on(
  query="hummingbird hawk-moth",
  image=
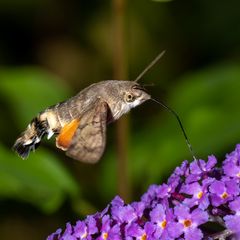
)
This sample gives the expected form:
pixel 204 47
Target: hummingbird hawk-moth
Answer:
pixel 80 122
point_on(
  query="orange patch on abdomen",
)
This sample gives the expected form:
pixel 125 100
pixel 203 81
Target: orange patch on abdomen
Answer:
pixel 65 136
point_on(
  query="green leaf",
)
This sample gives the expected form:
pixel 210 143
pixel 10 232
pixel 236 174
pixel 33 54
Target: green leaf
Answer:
pixel 41 180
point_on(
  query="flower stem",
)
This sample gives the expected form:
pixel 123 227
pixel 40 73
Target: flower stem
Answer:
pixel 120 73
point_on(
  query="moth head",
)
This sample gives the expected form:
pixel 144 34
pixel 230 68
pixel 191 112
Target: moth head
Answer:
pixel 135 95
pixel 131 95
pixel 121 96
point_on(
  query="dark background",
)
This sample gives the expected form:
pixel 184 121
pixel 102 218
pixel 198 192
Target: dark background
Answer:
pixel 49 50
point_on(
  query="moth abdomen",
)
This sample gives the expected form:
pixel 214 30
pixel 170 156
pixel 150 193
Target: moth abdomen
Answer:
pixel 62 113
pixel 30 139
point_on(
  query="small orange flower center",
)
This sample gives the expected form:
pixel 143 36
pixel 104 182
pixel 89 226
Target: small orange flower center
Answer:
pixel 187 223
pixel 200 194
pixel 84 235
pixel 105 235
pixel 238 175
pixel 144 237
pixel 224 195
pixel 163 224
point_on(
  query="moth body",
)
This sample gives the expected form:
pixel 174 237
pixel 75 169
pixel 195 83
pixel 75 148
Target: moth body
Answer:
pixel 79 123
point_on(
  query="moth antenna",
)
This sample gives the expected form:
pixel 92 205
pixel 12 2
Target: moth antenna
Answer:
pixel 180 123
pixel 155 60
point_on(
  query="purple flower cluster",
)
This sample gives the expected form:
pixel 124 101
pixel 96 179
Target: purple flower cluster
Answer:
pixel 196 194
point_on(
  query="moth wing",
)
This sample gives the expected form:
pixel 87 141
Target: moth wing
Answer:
pixel 89 140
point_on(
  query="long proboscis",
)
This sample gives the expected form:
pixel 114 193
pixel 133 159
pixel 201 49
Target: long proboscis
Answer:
pixel 151 64
pixel 180 123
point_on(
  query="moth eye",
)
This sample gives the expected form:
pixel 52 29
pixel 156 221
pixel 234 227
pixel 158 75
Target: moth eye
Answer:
pixel 130 98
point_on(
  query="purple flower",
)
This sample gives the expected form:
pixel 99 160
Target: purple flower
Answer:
pixel 125 214
pixel 178 175
pixel 92 225
pixel 194 194
pixel 199 167
pixel 67 235
pixel 233 221
pixel 188 222
pixel 117 202
pixel 122 213
pixel 149 195
pixel 133 230
pixel 198 192
pixel 80 230
pixel 234 156
pixel 161 217
pixel 183 169
pixel 149 230
pixel 139 208
pixel 108 231
pixel 223 191
pixel 55 235
pixel 231 167
pixel 210 164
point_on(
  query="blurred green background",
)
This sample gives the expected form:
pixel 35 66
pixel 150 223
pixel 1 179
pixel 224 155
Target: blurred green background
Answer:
pixel 49 50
